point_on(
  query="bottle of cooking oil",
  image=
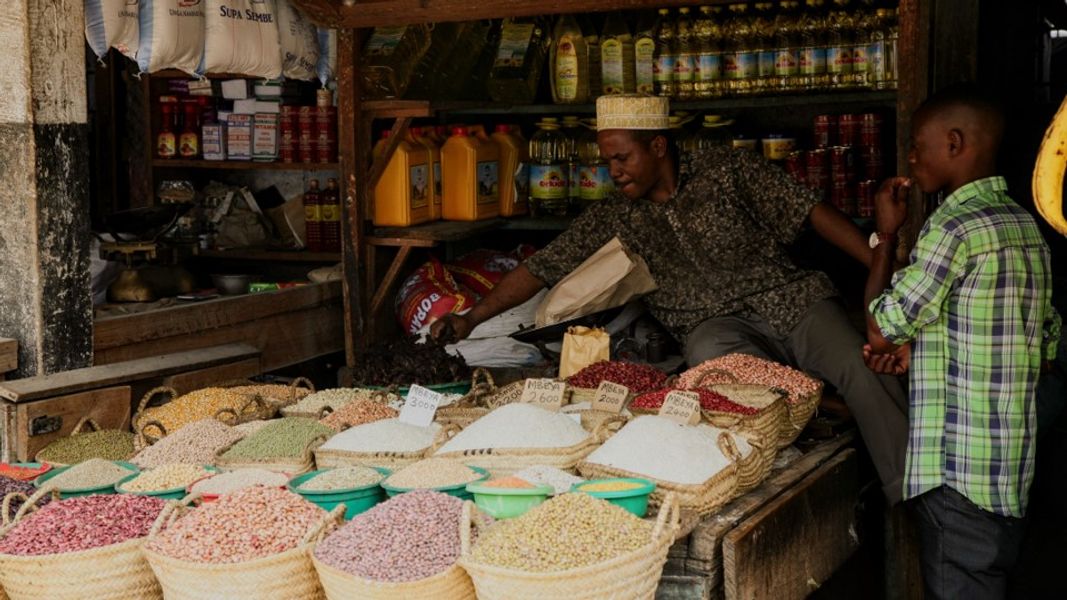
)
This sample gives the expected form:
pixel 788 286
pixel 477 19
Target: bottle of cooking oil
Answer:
pixel 390 57
pixel 663 68
pixel 572 132
pixel 686 54
pixel 813 67
pixel 471 170
pixel 520 58
pixel 592 45
pixel 742 64
pixel 404 194
pixel 513 156
pixel 787 39
pixel 864 19
pixel 708 35
pixel 418 135
pixel 570 62
pixel 714 132
pixel 617 56
pixel 839 45
pixel 548 169
pixel 763 44
pixel 594 174
pixel 887 18
pixel 645 54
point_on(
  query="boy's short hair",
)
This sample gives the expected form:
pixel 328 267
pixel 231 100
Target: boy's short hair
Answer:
pixel 986 106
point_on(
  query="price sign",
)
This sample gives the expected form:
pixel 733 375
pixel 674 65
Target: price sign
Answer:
pixel 681 407
pixel 420 406
pixel 546 393
pixel 610 397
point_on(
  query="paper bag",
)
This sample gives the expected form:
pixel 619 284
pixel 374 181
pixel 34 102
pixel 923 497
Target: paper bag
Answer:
pixel 610 277
pixel 583 346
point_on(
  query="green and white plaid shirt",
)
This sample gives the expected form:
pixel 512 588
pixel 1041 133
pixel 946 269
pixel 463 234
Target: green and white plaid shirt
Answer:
pixel 976 301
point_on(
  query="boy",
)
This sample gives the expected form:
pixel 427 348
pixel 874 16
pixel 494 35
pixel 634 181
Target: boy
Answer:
pixel 972 315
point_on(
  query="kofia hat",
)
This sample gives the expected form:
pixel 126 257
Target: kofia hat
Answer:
pixel 632 111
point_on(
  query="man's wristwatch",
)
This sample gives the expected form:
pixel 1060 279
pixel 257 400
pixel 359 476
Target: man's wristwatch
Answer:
pixel 880 238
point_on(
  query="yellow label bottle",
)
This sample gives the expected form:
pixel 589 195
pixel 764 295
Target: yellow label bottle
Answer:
pixel 514 177
pixel 404 194
pixel 570 63
pixel 421 136
pixel 470 170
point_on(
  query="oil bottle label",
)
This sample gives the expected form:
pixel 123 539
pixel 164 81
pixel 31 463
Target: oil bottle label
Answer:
pixel 860 60
pixel 876 61
pixel 420 186
pixel 566 68
pixel 330 213
pixel 548 182
pixel 385 40
pixel 709 67
pixel 488 182
pixel 812 60
pixel 663 68
pixel 312 213
pixel 595 182
pixel 611 66
pixel 785 62
pixel 644 49
pixel 767 60
pixel 437 182
pixel 684 68
pixel 839 59
pixel 514 40
pixel 746 65
pixel 574 187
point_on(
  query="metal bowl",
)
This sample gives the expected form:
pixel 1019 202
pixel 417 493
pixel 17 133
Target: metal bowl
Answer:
pixel 232 285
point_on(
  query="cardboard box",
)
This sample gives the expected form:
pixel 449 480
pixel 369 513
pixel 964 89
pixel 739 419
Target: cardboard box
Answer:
pixel 239 137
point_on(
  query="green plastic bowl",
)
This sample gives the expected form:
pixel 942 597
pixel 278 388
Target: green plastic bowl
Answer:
pixel 458 387
pixel 459 491
pixel 356 500
pixel 508 503
pixel 172 494
pixel 635 500
pixel 73 493
pixel 35 466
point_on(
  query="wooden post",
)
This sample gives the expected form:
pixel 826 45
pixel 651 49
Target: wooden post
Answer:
pixel 352 170
pixel 45 299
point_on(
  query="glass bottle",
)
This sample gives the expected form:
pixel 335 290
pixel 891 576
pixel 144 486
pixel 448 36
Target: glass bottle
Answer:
pixel 663 67
pixel 892 36
pixel 763 39
pixel 839 40
pixel 863 28
pixel 189 140
pixel 592 47
pixel 570 63
pixel 330 204
pixel 313 216
pixel 645 54
pixel 787 60
pixel 548 164
pixel 166 141
pixel 812 67
pixel 594 174
pixel 572 131
pixel 685 55
pixel 708 35
pixel 741 65
pixel 520 59
pixel 617 56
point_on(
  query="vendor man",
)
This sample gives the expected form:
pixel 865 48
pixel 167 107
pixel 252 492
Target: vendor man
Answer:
pixel 713 228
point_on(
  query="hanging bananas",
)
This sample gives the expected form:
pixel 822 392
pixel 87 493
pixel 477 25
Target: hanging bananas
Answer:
pixel 1048 172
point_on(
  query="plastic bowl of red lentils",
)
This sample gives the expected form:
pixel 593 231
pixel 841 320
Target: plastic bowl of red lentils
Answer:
pixel 508 497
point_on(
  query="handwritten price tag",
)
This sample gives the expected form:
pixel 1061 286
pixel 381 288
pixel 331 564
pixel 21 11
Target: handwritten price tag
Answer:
pixel 546 393
pixel 681 407
pixel 610 397
pixel 420 407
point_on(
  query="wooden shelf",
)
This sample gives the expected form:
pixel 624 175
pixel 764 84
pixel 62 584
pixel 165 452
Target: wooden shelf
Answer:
pixel 240 165
pixel 454 231
pixel 383 109
pixel 294 256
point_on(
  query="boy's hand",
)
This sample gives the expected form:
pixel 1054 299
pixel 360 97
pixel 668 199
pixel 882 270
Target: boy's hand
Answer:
pixel 450 329
pixel 891 204
pixel 895 363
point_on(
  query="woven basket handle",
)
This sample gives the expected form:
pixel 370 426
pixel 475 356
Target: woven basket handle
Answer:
pixel 722 420
pixel 153 423
pixel 487 379
pixel 667 511
pixel 319 531
pixel 30 504
pixel 713 371
pixel 152 394
pixel 603 430
pixel 447 432
pixel 260 406
pixel 6 508
pixel 325 411
pixel 465 521
pixel 299 382
pixel 309 451
pixel 728 446
pixel 165 517
pixel 226 411
pixel 382 396
pixel 83 422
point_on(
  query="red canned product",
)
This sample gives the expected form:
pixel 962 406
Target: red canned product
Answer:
pixel 824 130
pixel 841 196
pixel 865 191
pixel 818 171
pixel 848 130
pixel 871 130
pixel 873 163
pixel 842 164
pixel 286 145
pixel 795 165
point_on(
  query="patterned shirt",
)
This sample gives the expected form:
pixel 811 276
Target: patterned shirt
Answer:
pixel 976 300
pixel 717 247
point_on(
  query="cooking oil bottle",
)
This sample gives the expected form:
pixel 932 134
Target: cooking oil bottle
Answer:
pixel 404 194
pixel 839 46
pixel 686 54
pixel 707 35
pixel 570 63
pixel 572 132
pixel 617 56
pixel 520 58
pixel 471 171
pixel 813 68
pixel 514 178
pixel 863 28
pixel 594 175
pixel 741 66
pixel 645 54
pixel 787 40
pixel 883 50
pixel 663 67
pixel 421 136
pixel 390 57
pixel 763 45
pixel 592 45
pixel 548 169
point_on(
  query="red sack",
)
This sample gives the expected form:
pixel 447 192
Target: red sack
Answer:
pixel 481 270
pixel 427 295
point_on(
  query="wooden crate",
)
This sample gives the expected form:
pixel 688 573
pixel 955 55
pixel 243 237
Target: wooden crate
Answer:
pixel 9 356
pixel 30 426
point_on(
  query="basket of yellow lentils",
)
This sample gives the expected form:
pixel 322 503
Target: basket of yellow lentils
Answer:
pixel 229 405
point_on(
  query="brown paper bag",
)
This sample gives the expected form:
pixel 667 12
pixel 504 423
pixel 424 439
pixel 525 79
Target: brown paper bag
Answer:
pixel 610 277
pixel 583 346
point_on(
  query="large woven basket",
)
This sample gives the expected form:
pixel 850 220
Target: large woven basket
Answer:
pixel 633 575
pixel 115 572
pixel 473 405
pixel 289 575
pixel 501 462
pixel 330 458
pixel 761 429
pixel 291 465
pixel 149 430
pixel 800 412
pixel 703 498
pixel 277 395
pixel 382 396
pixel 79 428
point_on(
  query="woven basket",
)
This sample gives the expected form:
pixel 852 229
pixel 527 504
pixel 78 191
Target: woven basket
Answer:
pixel 78 430
pixel 291 466
pixel 330 458
pixel 297 389
pixel 472 406
pixel 381 396
pixel 762 428
pixel 115 572
pixel 633 575
pixel 800 412
pixel 501 462
pixel 144 426
pixel 289 575
pixel 703 498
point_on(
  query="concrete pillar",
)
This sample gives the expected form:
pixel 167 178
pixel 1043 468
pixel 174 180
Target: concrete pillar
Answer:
pixel 45 300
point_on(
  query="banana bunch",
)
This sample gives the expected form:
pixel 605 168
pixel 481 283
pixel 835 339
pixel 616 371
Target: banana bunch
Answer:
pixel 1048 172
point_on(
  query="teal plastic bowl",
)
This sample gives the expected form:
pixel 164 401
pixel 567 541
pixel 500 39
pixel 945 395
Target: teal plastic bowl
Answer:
pixel 73 493
pixel 634 500
pixel 172 494
pixel 356 500
pixel 459 491
pixel 458 387
pixel 508 503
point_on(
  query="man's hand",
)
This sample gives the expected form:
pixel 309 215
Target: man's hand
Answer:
pixel 450 329
pixel 894 363
pixel 891 204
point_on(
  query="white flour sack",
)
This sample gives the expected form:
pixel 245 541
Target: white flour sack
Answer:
pixel 172 35
pixel 112 24
pixel 300 43
pixel 242 38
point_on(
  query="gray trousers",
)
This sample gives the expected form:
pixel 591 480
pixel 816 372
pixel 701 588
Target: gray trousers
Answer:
pixel 826 345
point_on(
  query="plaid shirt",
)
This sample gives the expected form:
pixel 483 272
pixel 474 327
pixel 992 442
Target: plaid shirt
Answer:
pixel 976 300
